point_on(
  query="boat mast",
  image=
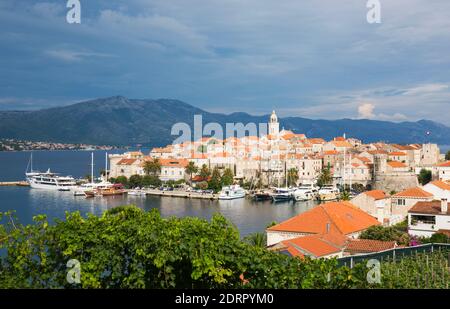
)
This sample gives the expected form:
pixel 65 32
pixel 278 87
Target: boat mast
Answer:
pixel 92 167
pixel 31 162
pixel 106 166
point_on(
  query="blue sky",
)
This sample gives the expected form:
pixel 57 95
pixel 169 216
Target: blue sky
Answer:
pixel 315 59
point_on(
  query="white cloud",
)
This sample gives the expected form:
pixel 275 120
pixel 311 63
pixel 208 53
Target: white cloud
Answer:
pixel 425 89
pixel 365 110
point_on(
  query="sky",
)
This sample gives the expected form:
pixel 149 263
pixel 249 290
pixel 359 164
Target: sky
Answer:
pixel 308 58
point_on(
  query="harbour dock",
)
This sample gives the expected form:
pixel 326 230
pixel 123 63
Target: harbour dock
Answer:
pixel 14 183
pixel 183 194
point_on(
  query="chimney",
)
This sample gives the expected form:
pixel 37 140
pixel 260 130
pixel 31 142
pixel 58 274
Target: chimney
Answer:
pixel 444 205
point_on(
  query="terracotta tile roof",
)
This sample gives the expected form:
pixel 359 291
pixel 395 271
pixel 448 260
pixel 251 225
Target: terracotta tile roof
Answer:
pixel 369 245
pixel 396 164
pixel 342 144
pixel 441 185
pixel 372 152
pixel 403 147
pixel 316 140
pixel 414 192
pixel 339 139
pixel 345 217
pixel 126 161
pixel 310 245
pixel 445 232
pixel 397 153
pixel 331 152
pixel 364 159
pixel 445 164
pixel 376 194
pixel 174 162
pixel 433 207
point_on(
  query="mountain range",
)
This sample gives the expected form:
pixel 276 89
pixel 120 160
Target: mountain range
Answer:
pixel 126 122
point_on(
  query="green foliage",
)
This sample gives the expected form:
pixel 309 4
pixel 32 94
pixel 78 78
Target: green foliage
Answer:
pixel 205 172
pixel 129 248
pixel 227 177
pixel 202 149
pixel 424 176
pixel 152 167
pixel 216 181
pixel 135 181
pixel 345 195
pixel 447 155
pixel 325 177
pixel 292 176
pixel 437 238
pixel 121 179
pixel 256 239
pixel 149 180
pixel 203 185
pixel 419 271
pixel 389 233
pixel 191 169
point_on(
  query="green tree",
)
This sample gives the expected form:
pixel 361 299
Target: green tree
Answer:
pixel 215 182
pixel 227 177
pixel 447 155
pixel 122 180
pixel 204 172
pixel 149 180
pixel 389 233
pixel 424 176
pixel 135 181
pixel 191 169
pixel 292 176
pixel 152 167
pixel 325 177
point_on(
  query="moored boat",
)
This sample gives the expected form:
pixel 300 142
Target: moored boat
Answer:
pixel 282 195
pixel 328 193
pixel 231 193
pixel 306 193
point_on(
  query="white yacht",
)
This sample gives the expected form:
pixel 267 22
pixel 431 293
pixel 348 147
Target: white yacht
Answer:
pixel 282 194
pixel 328 193
pixel 231 193
pixel 306 193
pixel 48 180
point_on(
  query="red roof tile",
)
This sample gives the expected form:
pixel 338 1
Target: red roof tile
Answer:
pixel 414 192
pixel 369 245
pixel 376 194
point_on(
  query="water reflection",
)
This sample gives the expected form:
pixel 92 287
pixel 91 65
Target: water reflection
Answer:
pixel 248 216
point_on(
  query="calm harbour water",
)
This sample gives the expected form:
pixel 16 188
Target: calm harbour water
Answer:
pixel 247 215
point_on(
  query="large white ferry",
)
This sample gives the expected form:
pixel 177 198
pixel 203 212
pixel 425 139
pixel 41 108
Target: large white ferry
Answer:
pixel 231 193
pixel 48 180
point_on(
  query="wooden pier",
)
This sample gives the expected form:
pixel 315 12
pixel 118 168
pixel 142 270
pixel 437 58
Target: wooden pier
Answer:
pixel 14 183
pixel 183 194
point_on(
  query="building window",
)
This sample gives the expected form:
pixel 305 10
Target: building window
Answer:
pixel 401 202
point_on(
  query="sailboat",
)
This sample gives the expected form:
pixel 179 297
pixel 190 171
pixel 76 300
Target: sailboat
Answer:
pixel 283 194
pixel 93 186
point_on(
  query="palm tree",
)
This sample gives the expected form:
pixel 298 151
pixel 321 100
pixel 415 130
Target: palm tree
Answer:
pixel 292 176
pixel 256 239
pixel 325 177
pixel 152 167
pixel 345 195
pixel 191 168
pixel 205 172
